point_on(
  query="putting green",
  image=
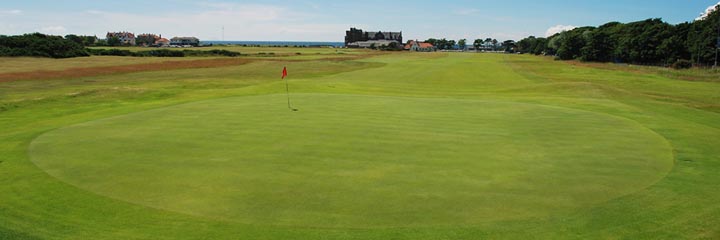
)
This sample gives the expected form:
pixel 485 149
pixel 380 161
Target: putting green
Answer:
pixel 358 161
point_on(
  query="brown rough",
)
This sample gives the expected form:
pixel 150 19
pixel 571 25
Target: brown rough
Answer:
pixel 95 71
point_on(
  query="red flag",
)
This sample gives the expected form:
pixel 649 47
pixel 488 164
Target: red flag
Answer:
pixel 284 73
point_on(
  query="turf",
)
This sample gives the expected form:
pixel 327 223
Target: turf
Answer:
pixel 399 146
pixel 357 161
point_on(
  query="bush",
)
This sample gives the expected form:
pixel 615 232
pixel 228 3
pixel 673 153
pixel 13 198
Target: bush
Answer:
pixel 682 64
pixel 160 53
pixel 214 52
pixel 110 52
pixel 40 45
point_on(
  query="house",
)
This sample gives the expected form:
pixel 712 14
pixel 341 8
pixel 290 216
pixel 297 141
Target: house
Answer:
pixel 417 46
pixel 162 42
pixel 126 38
pixel 185 41
pixel 357 38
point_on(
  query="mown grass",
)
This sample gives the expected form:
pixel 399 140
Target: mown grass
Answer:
pixel 343 105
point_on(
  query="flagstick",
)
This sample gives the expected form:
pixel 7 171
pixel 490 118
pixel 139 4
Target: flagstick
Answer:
pixel 287 92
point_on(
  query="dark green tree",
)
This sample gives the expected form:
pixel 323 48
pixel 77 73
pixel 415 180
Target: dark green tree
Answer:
pixel 40 45
pixel 74 38
pixel 113 41
pixel 477 44
pixel 450 44
pixel 598 47
pixel 508 46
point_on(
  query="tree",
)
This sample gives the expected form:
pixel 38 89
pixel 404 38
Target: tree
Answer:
pixel 450 44
pixel 462 43
pixel 74 38
pixel 40 45
pixel 393 46
pixel 598 47
pixel 82 40
pixel 508 46
pixel 650 41
pixel 101 42
pixel 145 40
pixel 477 44
pixel 113 41
pixel 495 44
pixel 442 44
pixel 432 41
pixel 526 45
pixel 572 42
pixel 89 40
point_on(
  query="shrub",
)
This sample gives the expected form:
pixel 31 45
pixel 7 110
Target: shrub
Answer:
pixel 40 45
pixel 110 52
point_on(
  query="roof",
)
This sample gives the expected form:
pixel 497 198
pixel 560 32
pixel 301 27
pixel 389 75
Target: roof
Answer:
pixel 120 34
pixel 425 45
pixel 388 35
pixel 409 45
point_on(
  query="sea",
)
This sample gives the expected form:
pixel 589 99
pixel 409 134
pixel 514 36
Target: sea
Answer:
pixel 275 43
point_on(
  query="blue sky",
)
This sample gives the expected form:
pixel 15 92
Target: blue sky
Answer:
pixel 319 20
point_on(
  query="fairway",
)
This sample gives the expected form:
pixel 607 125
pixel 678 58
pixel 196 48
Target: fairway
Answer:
pixel 384 146
pixel 358 161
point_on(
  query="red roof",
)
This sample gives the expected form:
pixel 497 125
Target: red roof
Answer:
pixel 425 45
pixel 409 44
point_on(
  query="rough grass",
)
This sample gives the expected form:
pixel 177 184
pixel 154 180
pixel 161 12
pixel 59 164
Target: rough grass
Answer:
pixel 283 51
pixel 640 111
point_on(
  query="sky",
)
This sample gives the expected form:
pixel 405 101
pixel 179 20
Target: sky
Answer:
pixel 321 20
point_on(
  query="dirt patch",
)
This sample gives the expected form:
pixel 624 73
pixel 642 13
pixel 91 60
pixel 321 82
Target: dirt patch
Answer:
pixel 95 71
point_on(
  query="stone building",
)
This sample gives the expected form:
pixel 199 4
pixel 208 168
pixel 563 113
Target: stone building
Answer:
pixel 359 38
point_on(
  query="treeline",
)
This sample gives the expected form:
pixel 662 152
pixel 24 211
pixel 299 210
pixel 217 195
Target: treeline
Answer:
pixel 487 44
pixel 649 42
pixel 40 45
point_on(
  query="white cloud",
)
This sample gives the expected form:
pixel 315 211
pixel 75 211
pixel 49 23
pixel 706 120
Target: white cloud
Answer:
pixel 707 12
pixel 558 29
pixel 53 30
pixel 241 22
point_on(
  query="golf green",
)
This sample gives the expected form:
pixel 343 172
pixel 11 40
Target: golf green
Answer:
pixel 356 161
